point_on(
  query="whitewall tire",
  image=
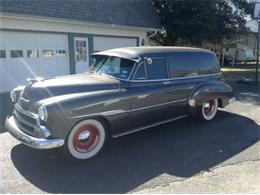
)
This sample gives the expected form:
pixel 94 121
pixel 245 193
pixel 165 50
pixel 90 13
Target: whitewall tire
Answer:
pixel 209 109
pixel 86 139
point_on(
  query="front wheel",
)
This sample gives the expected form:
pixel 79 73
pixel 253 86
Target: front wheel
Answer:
pixel 86 139
pixel 209 109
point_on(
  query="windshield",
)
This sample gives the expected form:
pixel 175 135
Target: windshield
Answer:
pixel 113 66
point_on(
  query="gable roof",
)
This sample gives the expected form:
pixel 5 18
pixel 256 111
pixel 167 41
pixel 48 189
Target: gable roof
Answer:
pixel 136 13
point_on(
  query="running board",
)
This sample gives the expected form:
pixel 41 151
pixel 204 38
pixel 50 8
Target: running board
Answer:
pixel 148 126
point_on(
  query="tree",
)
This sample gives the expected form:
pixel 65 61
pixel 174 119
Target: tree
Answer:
pixel 198 21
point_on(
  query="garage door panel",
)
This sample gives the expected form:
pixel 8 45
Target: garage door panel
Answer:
pixel 4 77
pixel 33 62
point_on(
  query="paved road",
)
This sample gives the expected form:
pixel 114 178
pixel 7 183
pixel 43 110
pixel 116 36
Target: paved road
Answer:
pixel 185 157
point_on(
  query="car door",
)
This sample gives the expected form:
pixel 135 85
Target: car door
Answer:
pixel 151 100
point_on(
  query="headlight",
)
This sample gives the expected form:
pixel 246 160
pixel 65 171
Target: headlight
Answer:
pixel 43 114
pixel 13 96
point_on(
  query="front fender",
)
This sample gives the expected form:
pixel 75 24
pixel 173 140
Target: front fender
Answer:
pixel 210 90
pixel 67 110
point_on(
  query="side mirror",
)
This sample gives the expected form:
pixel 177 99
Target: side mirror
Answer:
pixel 148 60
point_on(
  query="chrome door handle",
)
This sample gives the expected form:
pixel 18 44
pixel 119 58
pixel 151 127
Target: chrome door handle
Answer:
pixel 166 82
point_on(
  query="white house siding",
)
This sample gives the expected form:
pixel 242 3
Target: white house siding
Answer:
pixel 35 24
pixel 104 43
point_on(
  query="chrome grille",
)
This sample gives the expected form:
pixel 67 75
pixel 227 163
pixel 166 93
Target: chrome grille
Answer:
pixel 26 91
pixel 25 120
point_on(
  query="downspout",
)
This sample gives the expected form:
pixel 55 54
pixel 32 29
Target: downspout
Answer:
pixel 150 36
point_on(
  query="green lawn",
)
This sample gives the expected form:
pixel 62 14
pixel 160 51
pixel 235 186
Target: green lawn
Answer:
pixel 234 74
pixel 240 68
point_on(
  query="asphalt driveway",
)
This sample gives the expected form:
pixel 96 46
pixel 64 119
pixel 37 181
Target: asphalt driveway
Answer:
pixel 180 157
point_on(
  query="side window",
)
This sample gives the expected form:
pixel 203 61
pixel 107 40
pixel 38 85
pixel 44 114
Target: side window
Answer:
pixel 33 53
pixel 2 54
pixel 157 69
pixel 154 71
pixel 61 53
pixel 16 53
pixel 47 53
pixel 189 64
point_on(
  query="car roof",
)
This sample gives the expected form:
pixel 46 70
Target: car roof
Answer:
pixel 136 53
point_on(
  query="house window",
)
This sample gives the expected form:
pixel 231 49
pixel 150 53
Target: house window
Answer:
pixel 47 53
pixel 81 50
pixel 2 54
pixel 61 53
pixel 33 53
pixel 16 53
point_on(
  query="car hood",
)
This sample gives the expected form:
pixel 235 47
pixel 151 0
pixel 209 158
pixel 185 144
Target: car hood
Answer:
pixel 71 84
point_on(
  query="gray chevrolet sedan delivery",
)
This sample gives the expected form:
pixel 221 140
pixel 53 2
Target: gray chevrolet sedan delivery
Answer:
pixel 124 91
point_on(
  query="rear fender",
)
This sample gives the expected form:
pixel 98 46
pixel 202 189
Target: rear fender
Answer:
pixel 210 90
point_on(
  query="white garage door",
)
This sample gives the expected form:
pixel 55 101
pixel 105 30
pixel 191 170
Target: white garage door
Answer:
pixel 104 43
pixel 28 55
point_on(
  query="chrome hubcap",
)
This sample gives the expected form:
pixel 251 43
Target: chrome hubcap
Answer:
pixel 207 105
pixel 84 135
pixel 209 108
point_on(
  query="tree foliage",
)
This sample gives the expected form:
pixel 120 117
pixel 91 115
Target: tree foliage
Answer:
pixel 196 21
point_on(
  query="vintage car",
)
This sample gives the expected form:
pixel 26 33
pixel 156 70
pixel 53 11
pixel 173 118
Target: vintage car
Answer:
pixel 125 90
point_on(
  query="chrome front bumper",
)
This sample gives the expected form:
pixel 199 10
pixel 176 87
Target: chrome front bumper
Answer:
pixel 38 143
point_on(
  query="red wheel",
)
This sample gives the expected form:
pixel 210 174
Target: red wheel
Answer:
pixel 209 109
pixel 86 139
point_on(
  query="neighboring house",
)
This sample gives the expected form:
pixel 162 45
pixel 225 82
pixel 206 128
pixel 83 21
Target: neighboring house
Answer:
pixel 242 47
pixel 45 38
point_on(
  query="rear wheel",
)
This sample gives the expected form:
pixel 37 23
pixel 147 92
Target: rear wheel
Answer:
pixel 209 109
pixel 86 139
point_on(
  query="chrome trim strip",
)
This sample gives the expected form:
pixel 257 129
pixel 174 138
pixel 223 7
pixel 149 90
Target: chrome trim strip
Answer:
pixel 106 113
pixel 148 126
pixel 157 105
pixel 115 112
pixel 173 79
pixel 33 142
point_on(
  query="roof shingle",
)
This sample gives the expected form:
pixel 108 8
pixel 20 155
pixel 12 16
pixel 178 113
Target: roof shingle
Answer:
pixel 139 13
